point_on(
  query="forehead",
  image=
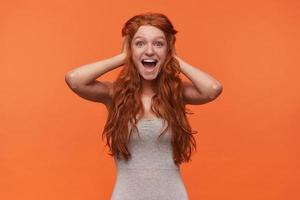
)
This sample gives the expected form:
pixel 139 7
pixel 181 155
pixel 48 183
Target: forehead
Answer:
pixel 149 32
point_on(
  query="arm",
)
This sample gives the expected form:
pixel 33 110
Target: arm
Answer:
pixel 82 80
pixel 204 88
pixel 87 74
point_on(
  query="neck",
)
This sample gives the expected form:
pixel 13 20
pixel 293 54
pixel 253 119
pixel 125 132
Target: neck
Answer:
pixel 148 87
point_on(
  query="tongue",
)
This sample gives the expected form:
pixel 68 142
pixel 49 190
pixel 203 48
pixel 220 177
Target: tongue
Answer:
pixel 151 65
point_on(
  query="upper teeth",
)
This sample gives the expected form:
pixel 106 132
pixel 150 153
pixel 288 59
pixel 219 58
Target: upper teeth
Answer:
pixel 149 60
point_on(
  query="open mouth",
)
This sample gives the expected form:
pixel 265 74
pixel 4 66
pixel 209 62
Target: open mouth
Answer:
pixel 149 63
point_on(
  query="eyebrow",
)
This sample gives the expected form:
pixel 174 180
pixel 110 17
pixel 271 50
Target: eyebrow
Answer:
pixel 162 37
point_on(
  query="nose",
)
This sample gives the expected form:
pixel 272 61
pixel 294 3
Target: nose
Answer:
pixel 149 50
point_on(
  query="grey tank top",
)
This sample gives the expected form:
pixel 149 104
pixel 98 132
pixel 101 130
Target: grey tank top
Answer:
pixel 151 173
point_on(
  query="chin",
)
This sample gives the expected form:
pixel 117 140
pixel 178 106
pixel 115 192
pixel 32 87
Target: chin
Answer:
pixel 149 77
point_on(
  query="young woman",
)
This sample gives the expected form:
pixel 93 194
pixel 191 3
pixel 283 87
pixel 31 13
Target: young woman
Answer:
pixel 147 130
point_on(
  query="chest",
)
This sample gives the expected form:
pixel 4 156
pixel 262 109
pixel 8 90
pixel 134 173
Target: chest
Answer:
pixel 147 102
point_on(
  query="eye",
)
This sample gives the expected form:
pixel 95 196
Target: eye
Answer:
pixel 160 44
pixel 138 43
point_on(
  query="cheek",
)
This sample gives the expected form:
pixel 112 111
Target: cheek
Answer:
pixel 163 52
pixel 136 55
pixel 136 61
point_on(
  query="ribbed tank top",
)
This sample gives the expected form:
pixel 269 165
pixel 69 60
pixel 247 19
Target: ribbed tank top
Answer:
pixel 150 174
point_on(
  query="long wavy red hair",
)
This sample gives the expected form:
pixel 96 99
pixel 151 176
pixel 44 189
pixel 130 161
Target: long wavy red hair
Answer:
pixel 167 103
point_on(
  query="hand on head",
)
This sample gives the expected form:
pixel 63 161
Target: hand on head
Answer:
pixel 125 45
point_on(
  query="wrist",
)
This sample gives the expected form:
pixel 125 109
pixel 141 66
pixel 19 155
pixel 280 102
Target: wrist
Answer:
pixel 122 57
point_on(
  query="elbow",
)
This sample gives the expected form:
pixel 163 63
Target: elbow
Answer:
pixel 70 79
pixel 217 89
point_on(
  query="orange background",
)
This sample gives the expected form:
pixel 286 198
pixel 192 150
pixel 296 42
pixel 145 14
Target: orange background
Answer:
pixel 50 141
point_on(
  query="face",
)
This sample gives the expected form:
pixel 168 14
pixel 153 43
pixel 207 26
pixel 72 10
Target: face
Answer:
pixel 149 50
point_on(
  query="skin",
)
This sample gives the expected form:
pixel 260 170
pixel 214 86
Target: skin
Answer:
pixel 202 87
pixel 148 42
